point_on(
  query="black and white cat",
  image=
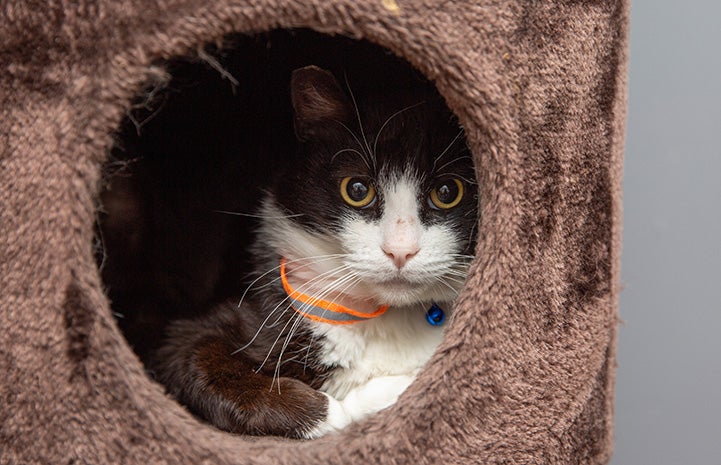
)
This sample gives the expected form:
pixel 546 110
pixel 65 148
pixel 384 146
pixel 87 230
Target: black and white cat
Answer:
pixel 364 242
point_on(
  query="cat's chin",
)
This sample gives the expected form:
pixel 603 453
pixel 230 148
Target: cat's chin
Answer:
pixel 402 293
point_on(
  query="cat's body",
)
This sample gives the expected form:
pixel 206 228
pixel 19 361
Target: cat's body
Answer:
pixel 376 210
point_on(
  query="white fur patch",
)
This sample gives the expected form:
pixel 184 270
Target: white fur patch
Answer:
pixel 336 419
pixel 375 395
pixel 399 342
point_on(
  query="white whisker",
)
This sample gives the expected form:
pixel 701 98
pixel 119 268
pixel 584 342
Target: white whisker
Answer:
pixel 263 217
pixel 360 123
pixel 317 259
pixel 275 309
pixel 456 175
pixel 300 289
pixel 375 142
pixel 436 159
pixel 442 280
pixel 457 159
pixel 354 151
pixel 323 295
pixel 365 160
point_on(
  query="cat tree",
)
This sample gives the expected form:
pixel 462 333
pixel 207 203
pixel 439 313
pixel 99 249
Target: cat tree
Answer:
pixel 526 371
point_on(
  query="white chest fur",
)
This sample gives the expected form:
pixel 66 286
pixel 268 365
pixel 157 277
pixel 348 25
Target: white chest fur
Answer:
pixel 399 342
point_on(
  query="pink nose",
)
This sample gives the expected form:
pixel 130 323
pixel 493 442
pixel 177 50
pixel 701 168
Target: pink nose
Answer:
pixel 400 255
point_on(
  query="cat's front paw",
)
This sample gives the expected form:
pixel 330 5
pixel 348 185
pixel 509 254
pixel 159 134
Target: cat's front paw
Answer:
pixel 375 395
pixel 366 399
pixel 336 419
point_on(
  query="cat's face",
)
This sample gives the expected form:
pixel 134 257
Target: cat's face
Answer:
pixel 385 213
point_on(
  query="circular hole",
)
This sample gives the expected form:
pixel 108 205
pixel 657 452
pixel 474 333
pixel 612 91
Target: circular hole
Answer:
pixel 231 161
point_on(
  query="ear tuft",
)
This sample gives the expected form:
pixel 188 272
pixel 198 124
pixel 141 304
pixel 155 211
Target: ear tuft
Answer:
pixel 317 99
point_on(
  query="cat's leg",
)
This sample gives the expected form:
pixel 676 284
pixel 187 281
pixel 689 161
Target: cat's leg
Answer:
pixel 201 367
pixel 202 372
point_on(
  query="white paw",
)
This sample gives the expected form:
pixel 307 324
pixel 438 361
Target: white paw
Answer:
pixel 375 395
pixel 336 419
pixel 366 399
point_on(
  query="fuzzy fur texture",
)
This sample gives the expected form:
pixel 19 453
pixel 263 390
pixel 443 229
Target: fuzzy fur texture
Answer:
pixel 526 371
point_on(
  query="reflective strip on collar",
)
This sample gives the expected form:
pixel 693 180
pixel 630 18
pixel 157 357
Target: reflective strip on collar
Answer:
pixel 323 310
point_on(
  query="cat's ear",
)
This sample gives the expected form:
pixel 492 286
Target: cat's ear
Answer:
pixel 317 100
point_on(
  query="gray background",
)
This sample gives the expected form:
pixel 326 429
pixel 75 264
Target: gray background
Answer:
pixel 668 391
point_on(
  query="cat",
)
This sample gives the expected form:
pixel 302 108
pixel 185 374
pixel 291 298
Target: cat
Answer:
pixel 365 237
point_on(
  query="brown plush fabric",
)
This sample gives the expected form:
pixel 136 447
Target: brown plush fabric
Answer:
pixel 526 372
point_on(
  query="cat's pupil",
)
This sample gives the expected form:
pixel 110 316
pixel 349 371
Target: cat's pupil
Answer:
pixel 357 190
pixel 447 192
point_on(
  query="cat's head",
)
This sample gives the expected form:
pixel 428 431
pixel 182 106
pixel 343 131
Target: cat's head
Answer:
pixel 381 203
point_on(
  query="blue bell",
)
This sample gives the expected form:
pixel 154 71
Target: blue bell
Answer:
pixel 435 315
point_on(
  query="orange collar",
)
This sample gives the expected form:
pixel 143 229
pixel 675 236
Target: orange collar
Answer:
pixel 321 310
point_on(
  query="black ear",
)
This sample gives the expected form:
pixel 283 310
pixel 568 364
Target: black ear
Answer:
pixel 317 100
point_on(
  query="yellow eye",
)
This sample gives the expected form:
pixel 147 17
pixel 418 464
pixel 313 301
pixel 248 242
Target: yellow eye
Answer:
pixel 357 192
pixel 447 194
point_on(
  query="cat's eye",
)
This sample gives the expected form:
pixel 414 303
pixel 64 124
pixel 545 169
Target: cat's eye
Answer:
pixel 446 194
pixel 357 192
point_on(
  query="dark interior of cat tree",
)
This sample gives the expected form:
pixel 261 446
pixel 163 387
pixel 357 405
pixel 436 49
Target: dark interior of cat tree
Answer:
pixel 189 165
